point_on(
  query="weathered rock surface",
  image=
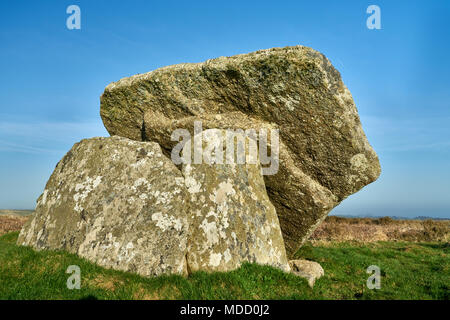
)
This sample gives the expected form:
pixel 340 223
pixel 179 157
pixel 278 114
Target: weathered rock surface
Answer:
pixel 117 202
pixel 123 204
pixel 233 220
pixel 309 270
pixel 324 153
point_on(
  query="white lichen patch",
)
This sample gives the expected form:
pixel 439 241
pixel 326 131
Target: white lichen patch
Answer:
pixel 211 233
pixel 192 185
pixel 214 259
pixel 82 190
pixel 165 222
pixel 224 190
pixel 141 182
pixel 143 196
pixel 227 255
pixel 179 181
pixel 115 156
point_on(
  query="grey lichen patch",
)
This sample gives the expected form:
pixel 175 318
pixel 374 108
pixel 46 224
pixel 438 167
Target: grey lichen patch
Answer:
pixel 119 203
pixel 233 220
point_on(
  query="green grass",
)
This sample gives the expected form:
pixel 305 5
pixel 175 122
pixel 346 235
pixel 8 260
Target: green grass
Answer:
pixel 409 271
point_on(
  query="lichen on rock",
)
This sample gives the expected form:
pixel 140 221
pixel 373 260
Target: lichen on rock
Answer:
pixel 324 153
pixel 117 202
pixel 233 220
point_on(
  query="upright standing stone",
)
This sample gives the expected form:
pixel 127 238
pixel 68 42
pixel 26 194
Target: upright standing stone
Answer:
pixel 233 220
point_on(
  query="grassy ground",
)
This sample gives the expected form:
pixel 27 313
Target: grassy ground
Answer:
pixel 409 271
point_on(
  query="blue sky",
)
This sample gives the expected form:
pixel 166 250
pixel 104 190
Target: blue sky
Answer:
pixel 51 79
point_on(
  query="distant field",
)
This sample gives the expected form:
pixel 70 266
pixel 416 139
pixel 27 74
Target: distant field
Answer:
pixel 16 212
pixel 332 229
pixel 9 223
pixel 409 270
pixel 337 229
